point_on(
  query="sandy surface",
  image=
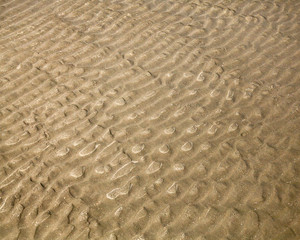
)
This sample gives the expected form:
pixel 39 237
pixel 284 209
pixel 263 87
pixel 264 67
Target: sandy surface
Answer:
pixel 147 120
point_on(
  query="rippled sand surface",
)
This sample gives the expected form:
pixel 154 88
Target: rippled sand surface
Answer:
pixel 142 120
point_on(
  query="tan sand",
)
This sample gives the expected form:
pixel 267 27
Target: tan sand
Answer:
pixel 131 119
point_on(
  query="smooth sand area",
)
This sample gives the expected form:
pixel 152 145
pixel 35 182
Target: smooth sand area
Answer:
pixel 149 119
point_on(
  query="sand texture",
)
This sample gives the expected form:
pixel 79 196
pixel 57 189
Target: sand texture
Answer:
pixel 149 119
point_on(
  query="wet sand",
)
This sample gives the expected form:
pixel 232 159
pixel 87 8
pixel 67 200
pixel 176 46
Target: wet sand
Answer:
pixel 149 119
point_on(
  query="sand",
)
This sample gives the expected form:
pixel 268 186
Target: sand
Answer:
pixel 136 119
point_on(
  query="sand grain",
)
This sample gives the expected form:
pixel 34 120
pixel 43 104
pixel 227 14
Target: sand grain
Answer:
pixel 149 119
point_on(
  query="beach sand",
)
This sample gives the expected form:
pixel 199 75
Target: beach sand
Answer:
pixel 136 119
